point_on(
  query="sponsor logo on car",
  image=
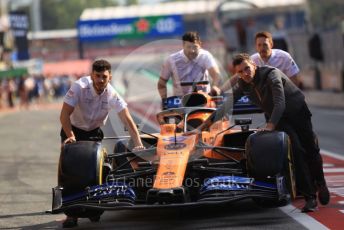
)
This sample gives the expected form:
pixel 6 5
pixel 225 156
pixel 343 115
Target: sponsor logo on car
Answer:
pixel 177 139
pixel 175 146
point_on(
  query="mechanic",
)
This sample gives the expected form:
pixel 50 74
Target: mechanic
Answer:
pixel 273 57
pixel 190 64
pixel 277 58
pixel 284 103
pixel 86 108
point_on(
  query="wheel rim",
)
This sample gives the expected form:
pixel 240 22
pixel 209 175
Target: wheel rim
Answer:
pixel 101 156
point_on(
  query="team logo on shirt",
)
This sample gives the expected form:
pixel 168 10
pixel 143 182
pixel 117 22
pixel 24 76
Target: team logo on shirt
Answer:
pixel 70 93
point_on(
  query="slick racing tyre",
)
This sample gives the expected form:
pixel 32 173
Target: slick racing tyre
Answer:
pixel 81 165
pixel 266 153
pixel 268 156
pixel 290 173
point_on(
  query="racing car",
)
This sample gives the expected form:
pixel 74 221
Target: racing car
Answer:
pixel 195 159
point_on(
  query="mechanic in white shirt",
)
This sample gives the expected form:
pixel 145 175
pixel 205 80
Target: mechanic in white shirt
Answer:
pixel 272 57
pixel 190 64
pixel 87 104
pixel 277 58
pixel 86 108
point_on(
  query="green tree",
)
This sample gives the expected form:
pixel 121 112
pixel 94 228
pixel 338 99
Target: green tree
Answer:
pixel 131 2
pixel 64 14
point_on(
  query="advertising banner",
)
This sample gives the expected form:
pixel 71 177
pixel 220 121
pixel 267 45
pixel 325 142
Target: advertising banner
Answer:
pixel 137 28
pixel 19 23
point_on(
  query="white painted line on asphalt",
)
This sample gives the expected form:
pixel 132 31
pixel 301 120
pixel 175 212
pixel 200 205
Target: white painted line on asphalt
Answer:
pixel 335 182
pixel 304 219
pixel 335 177
pixel 333 170
pixel 332 154
pixel 339 191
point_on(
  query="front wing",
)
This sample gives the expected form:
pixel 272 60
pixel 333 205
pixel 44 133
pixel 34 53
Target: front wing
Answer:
pixel 220 189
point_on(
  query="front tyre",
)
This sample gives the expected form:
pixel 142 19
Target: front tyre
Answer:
pixel 269 158
pixel 82 164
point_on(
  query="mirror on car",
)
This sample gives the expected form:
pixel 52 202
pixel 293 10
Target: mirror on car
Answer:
pixel 243 121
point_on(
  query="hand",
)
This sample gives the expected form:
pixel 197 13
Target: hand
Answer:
pixel 263 130
pixel 70 140
pixel 138 148
pixel 269 127
pixel 215 91
pixel 163 104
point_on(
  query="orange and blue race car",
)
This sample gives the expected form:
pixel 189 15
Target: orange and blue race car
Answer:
pixel 199 157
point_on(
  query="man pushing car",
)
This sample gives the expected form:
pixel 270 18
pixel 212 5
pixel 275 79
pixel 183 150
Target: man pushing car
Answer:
pixel 86 108
pixel 284 103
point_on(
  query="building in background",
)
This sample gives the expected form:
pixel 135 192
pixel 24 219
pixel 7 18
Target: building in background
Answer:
pixel 113 30
pixel 226 27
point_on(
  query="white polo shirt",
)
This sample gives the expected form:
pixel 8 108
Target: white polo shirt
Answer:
pixel 280 60
pixel 90 109
pixel 181 69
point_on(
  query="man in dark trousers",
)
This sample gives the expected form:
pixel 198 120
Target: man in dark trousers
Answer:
pixel 86 108
pixel 285 105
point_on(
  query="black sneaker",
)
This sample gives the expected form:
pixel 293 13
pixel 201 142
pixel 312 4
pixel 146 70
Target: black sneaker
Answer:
pixel 70 222
pixel 311 204
pixel 323 195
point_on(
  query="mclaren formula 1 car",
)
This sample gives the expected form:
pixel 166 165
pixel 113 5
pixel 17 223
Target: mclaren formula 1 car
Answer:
pixel 194 160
